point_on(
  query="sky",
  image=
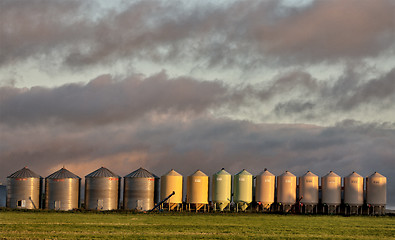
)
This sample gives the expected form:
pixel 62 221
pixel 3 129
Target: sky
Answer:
pixel 283 85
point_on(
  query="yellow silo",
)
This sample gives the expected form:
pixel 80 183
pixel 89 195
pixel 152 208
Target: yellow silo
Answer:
pixel 171 182
pixel 197 190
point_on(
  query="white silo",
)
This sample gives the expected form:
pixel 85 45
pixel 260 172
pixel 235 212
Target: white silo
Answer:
pixel 376 193
pixel 331 185
pixel 308 192
pixel 353 192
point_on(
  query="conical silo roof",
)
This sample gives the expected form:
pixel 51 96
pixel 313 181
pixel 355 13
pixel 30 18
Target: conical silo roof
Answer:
pixel 353 175
pixel 222 172
pixel 376 175
pixel 140 173
pixel 62 173
pixel 331 174
pixel 243 172
pixel 309 174
pixel 199 173
pixel 24 173
pixel 287 174
pixel 172 172
pixel 102 172
pixel 266 173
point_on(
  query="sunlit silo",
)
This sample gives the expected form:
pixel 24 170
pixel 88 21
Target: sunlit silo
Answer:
pixel 242 193
pixel 308 192
pixel 62 190
pixel 102 190
pixel 353 192
pixel 171 182
pixel 221 189
pixel 24 189
pixel 265 189
pixel 286 190
pixel 197 190
pixel 139 190
pixel 376 193
pixel 331 185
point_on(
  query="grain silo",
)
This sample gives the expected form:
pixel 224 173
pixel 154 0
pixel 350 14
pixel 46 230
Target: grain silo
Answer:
pixel 171 182
pixel 308 192
pixel 265 189
pixel 221 189
pixel 376 193
pixel 102 190
pixel 286 191
pixel 24 189
pixel 139 190
pixel 62 190
pixel 331 185
pixel 242 193
pixel 353 192
pixel 197 191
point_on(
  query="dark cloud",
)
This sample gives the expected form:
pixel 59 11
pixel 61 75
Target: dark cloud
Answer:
pixel 375 90
pixel 243 33
pixel 105 100
pixel 39 28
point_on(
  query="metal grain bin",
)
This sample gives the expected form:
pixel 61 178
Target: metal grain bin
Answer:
pixel 171 181
pixel 308 192
pixel 62 190
pixel 24 189
pixel 139 190
pixel 265 188
pixel 221 189
pixel 331 185
pixel 286 189
pixel 242 193
pixel 102 190
pixel 197 188
pixel 376 190
pixel 308 188
pixel 353 189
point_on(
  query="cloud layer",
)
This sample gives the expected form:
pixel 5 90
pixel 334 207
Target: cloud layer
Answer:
pixel 240 33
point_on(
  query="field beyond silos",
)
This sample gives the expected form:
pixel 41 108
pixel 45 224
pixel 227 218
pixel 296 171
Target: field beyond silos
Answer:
pixel 88 225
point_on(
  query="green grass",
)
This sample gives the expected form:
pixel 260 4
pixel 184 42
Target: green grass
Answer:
pixel 77 225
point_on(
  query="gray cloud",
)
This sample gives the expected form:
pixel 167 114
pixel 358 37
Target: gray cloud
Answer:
pixel 243 34
pixel 109 99
pixel 105 100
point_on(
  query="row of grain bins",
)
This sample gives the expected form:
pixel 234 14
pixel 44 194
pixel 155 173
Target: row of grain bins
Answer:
pixel 141 191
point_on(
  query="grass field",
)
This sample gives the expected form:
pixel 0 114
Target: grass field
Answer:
pixel 77 225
